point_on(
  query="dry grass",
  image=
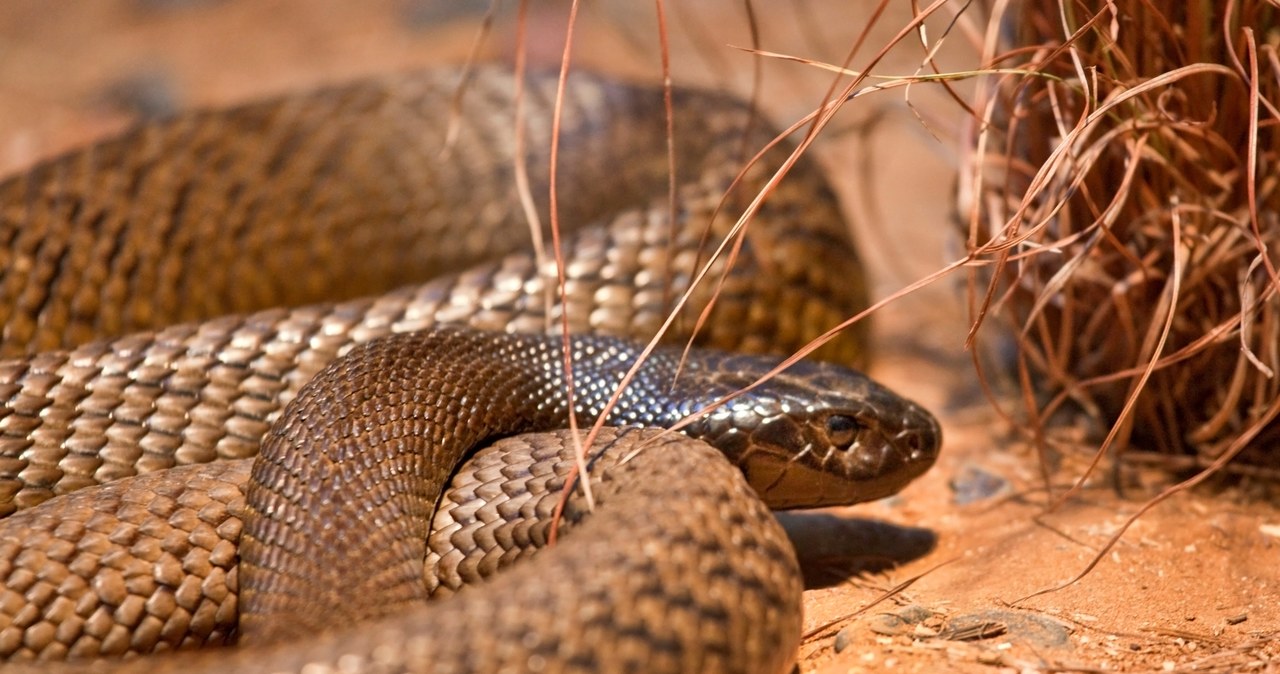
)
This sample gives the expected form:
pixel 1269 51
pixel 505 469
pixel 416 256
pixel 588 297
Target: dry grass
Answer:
pixel 1123 194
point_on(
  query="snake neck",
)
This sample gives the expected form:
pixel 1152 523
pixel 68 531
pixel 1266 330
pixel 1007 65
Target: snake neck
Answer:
pixel 375 436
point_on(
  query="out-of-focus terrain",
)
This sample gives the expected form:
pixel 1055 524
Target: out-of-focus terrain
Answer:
pixel 1193 585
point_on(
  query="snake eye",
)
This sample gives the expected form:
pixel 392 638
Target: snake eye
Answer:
pixel 842 430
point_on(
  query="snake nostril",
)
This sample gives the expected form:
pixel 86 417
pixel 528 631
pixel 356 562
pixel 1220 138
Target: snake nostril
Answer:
pixel 919 443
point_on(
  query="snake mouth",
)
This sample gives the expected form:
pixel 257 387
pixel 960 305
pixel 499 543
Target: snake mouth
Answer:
pixel 874 471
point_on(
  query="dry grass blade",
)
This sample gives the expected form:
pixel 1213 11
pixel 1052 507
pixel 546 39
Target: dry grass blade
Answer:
pixel 580 452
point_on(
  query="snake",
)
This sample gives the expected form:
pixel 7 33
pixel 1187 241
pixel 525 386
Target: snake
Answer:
pixel 171 312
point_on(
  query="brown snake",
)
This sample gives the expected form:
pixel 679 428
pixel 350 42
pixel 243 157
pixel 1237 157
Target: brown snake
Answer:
pixel 163 224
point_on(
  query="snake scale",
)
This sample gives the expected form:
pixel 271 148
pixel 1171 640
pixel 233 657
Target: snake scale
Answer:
pixel 140 276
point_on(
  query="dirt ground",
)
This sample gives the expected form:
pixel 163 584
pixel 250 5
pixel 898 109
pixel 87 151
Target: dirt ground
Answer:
pixel 1192 586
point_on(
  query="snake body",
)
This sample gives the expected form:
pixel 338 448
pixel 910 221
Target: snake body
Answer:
pixel 345 482
pixel 152 228
pixel 232 210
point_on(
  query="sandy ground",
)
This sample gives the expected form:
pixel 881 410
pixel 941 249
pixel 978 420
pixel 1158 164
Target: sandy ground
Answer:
pixel 1192 586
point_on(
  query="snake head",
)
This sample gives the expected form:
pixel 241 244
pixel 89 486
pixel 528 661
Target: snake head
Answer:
pixel 817 434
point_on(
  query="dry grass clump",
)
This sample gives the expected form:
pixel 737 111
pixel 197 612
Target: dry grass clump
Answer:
pixel 1125 195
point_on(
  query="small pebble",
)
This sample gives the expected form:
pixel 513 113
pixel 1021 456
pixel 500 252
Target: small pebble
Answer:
pixel 147 95
pixel 903 620
pixel 975 484
pixel 843 638
pixel 1036 629
pixel 900 621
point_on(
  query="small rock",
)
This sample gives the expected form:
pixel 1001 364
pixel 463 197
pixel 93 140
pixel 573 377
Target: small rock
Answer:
pixel 900 621
pixel 975 484
pixel 843 638
pixel 1037 629
pixel 147 95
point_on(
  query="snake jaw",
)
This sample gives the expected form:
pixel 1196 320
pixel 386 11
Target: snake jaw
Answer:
pixel 877 464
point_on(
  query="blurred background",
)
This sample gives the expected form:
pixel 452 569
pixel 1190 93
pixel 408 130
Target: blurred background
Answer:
pixel 71 72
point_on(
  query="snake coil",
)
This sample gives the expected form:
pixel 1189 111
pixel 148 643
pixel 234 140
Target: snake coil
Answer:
pixel 236 211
